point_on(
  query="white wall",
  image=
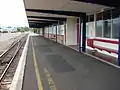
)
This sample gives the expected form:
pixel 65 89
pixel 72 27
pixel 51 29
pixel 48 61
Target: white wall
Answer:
pixel 71 31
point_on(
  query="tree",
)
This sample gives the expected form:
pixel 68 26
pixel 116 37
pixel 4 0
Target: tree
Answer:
pixel 26 29
pixel 22 29
pixel 18 29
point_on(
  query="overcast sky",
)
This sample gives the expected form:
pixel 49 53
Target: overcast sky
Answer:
pixel 12 13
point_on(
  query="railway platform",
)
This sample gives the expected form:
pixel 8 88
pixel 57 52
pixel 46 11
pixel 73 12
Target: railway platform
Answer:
pixel 52 66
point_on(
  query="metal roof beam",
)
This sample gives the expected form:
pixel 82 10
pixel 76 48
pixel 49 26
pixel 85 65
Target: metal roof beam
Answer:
pixel 44 21
pixel 39 24
pixel 67 13
pixel 51 18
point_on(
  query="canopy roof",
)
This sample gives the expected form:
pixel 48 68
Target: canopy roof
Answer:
pixel 62 8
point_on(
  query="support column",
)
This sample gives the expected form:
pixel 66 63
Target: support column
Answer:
pixel 119 45
pixel 71 32
pixel 52 33
pixel 48 32
pixel 43 31
pixel 79 42
pixel 65 33
pixel 84 33
pixel 95 24
pixel 56 31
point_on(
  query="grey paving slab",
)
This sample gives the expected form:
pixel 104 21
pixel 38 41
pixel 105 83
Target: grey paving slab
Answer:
pixel 29 82
pixel 69 69
pixel 59 64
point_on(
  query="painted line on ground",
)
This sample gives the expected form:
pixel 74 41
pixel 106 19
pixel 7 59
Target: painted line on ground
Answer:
pixel 39 81
pixel 50 80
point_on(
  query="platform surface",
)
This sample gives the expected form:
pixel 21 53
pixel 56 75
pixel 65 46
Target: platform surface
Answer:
pixel 61 68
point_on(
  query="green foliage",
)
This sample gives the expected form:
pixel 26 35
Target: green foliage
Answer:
pixel 22 29
pixel 35 30
pixel 18 29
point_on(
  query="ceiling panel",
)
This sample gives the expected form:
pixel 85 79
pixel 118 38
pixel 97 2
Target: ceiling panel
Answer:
pixel 64 5
pixel 45 4
pixel 83 7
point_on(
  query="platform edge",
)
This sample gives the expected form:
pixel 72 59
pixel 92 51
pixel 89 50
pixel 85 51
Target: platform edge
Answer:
pixel 18 77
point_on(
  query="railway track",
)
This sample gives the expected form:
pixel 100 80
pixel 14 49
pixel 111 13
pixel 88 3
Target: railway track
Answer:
pixel 8 43
pixel 16 39
pixel 9 61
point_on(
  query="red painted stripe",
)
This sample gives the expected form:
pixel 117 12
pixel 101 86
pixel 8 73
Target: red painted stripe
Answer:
pixel 108 50
pixel 107 41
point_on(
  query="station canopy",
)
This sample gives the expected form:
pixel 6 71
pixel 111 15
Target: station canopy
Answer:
pixel 46 9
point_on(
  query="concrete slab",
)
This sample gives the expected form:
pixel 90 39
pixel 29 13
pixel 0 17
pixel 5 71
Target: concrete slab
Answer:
pixel 68 69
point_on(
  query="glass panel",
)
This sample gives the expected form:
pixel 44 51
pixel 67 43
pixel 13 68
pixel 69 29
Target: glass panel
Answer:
pixel 99 16
pixel 107 28
pixel 54 29
pixel 115 13
pixel 116 23
pixel 99 25
pixel 90 29
pixel 91 18
pixel 58 29
pixel 50 31
pixel 107 15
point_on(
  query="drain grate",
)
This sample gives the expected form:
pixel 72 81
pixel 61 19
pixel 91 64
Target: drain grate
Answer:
pixel 59 64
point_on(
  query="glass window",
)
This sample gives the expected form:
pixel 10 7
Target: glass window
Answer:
pixel 107 24
pixel 86 19
pixel 90 29
pixel 99 26
pixel 91 18
pixel 107 28
pixel 107 14
pixel 115 13
pixel 54 29
pixel 50 30
pixel 116 23
pixel 99 16
pixel 62 30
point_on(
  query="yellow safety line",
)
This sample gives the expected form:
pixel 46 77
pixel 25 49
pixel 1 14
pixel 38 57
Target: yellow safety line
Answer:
pixel 50 80
pixel 39 81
